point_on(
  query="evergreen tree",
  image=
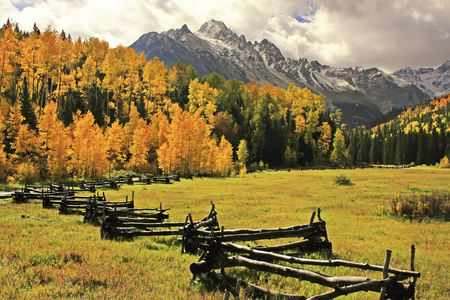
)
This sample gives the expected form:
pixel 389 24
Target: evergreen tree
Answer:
pixel 421 147
pixel 386 151
pixel 400 155
pixel 376 147
pixel 433 151
pixel 340 153
pixel 26 108
pixel 275 144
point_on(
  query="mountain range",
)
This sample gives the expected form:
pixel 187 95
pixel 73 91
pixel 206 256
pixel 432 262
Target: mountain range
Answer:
pixel 361 94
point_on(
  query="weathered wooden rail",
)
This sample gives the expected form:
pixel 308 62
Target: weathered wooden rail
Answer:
pixel 96 207
pixel 390 287
pixel 129 224
pixel 314 237
pixel 28 193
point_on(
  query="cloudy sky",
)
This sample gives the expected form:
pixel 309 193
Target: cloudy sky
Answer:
pixel 389 34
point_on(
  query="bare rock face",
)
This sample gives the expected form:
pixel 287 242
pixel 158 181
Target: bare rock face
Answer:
pixel 361 94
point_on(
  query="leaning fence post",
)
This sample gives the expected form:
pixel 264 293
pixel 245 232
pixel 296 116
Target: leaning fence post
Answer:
pixel 238 287
pixel 413 254
pixel 385 273
pixel 227 295
pixel 183 238
pixel 311 221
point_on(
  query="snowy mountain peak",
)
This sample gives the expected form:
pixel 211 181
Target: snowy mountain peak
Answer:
pixel 178 33
pixel 445 67
pixel 184 29
pixel 218 30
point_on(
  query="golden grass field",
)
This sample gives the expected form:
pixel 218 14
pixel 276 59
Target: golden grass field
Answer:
pixel 44 255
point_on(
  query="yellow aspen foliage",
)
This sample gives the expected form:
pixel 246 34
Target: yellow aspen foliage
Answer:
pixel 300 124
pixel 28 54
pixel 444 163
pixel 242 153
pixel 48 61
pixel 5 166
pixel 55 141
pixel 57 156
pixel 209 157
pixel 26 145
pixel 155 80
pixel 64 79
pixel 224 157
pixel 187 140
pixel 115 145
pixel 86 74
pixel 89 148
pixel 201 98
pixel 121 69
pixel 165 158
pixel 251 90
pixel 13 122
pixel 130 126
pixel 273 91
pixel 159 128
pixel 324 141
pixel 140 147
pixel 27 154
pixel 4 111
pixel 8 57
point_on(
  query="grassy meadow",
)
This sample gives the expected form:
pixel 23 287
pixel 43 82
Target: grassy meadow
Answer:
pixel 45 255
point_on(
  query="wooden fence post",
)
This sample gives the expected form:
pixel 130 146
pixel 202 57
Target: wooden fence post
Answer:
pixel 385 273
pixel 413 254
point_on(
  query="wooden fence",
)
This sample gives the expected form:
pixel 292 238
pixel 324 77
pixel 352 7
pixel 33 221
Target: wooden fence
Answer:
pixel 218 249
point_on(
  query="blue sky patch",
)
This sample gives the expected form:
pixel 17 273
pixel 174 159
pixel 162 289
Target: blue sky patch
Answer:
pixel 20 5
pixel 301 19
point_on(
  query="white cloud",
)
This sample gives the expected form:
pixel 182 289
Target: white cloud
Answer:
pixel 385 33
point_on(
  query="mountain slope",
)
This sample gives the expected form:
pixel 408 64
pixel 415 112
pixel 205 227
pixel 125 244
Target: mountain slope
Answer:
pixel 361 94
pixel 434 82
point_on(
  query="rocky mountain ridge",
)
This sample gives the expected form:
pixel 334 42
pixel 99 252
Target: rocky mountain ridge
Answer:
pixel 362 94
pixel 432 81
